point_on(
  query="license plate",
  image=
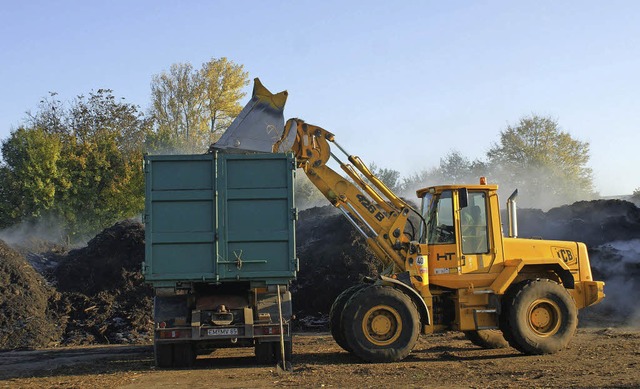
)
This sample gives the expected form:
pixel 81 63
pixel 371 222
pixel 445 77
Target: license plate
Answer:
pixel 222 331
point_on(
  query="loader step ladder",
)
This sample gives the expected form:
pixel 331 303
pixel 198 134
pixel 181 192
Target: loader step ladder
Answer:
pixel 489 311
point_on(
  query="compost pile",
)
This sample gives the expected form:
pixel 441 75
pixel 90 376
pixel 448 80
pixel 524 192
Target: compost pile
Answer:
pixel 96 294
pixel 26 320
pixel 333 256
pixel 103 290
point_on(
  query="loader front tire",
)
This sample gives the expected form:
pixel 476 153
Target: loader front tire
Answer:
pixel 541 317
pixel 380 324
pixel 335 314
pixel 489 339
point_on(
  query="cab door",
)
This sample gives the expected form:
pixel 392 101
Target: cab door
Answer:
pixel 442 237
pixel 474 246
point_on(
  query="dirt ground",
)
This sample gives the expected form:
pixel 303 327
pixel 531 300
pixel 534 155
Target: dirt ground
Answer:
pixel 597 357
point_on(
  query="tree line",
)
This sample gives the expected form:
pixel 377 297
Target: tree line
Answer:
pixel 77 165
pixel 535 156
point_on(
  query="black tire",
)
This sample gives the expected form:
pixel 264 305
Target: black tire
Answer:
pixel 184 355
pixel 489 339
pixel 265 353
pixel 381 324
pixel 503 320
pixel 335 313
pixel 541 317
pixel 163 355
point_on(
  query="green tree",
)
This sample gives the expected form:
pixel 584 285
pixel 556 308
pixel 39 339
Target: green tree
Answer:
pixel 458 169
pixel 545 162
pixel 29 174
pixel 192 108
pixel 81 165
pixel 454 168
pixel 223 84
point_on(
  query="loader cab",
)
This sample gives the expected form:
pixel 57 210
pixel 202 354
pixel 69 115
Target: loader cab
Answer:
pixel 459 230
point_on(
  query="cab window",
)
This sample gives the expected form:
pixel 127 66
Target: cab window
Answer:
pixel 474 226
pixel 441 228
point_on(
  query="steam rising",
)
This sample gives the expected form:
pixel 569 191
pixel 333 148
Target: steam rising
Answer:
pixel 619 264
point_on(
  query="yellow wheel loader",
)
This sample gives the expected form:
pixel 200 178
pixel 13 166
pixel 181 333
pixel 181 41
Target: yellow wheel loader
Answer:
pixel 453 271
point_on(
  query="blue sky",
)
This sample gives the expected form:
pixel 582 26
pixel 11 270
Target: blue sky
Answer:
pixel 400 83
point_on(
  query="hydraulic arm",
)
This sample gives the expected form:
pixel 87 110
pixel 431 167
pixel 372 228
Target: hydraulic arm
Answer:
pixel 374 210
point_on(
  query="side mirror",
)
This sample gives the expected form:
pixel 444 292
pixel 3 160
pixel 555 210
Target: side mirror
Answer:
pixel 463 198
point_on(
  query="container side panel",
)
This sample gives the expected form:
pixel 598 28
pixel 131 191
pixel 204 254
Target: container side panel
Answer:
pixel 257 173
pixel 182 216
pixel 172 260
pixel 255 217
pixel 181 175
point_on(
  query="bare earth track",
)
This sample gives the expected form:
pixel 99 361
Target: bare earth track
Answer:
pixel 597 357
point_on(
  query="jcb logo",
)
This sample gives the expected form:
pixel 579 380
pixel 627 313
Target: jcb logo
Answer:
pixel 566 255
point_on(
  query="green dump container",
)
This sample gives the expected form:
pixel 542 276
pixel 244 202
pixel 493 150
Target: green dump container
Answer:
pixel 219 217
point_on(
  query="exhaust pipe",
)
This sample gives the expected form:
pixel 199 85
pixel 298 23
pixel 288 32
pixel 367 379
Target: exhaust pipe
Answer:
pixel 513 214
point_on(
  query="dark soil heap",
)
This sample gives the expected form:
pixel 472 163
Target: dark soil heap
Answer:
pixel 103 290
pixel 25 297
pixel 333 256
pixel 592 222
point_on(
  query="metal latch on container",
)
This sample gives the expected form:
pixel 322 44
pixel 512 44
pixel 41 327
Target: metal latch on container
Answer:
pixel 294 214
pixel 238 259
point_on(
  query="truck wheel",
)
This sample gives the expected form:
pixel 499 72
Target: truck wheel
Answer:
pixel 541 317
pixel 381 324
pixel 184 355
pixel 489 339
pixel 336 313
pixel 265 353
pixel 163 355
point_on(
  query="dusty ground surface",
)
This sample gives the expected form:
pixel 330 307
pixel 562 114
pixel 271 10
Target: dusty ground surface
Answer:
pixel 597 357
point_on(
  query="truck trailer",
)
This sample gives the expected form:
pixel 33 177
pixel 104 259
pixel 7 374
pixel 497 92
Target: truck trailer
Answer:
pixel 220 254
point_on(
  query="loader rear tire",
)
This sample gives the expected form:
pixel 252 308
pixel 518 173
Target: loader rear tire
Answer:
pixel 489 339
pixel 335 314
pixel 381 324
pixel 541 318
pixel 503 320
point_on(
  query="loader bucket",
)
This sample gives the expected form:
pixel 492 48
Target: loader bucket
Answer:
pixel 259 125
